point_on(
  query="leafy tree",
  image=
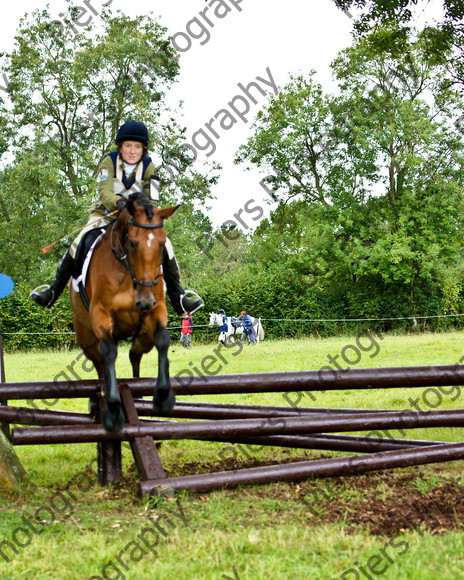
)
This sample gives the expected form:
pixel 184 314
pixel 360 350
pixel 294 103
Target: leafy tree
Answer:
pixel 375 12
pixel 295 140
pixel 445 39
pixel 68 93
pixel 376 217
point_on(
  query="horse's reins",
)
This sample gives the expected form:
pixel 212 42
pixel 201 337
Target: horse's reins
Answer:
pixel 123 256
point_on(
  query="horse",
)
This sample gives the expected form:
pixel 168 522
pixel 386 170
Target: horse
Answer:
pixel 235 327
pixel 125 289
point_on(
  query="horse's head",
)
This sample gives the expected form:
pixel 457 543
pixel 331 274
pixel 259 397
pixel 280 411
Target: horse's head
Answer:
pixel 213 319
pixel 145 238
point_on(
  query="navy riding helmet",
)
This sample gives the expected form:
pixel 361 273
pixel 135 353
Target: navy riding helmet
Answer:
pixel 132 131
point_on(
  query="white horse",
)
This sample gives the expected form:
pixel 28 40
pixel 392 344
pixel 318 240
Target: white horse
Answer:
pixel 235 327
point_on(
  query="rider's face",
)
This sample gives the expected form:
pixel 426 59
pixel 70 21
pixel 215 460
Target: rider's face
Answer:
pixel 131 151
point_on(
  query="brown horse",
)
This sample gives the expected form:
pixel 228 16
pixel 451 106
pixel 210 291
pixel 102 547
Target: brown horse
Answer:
pixel 126 294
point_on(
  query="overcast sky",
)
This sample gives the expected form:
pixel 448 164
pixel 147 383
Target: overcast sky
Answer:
pixel 256 38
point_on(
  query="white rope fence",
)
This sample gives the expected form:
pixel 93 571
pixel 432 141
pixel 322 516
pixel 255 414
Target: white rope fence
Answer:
pixel 361 319
pixel 283 320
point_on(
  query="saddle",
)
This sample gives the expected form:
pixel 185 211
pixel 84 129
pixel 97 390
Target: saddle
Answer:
pixel 235 321
pixel 82 260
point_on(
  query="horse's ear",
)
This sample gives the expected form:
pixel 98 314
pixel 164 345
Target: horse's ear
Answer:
pixel 167 212
pixel 135 197
pixel 130 205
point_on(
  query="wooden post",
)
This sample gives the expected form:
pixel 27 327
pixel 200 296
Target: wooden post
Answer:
pixel 109 462
pixel 143 448
pixel 109 453
pixel 11 470
pixel 2 362
pixel 4 427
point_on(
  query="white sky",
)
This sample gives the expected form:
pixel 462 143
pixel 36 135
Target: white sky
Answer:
pixel 288 37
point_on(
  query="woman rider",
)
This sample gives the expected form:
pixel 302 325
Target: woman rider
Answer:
pixel 122 172
pixel 224 327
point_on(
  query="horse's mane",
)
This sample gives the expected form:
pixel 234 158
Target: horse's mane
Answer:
pixel 140 199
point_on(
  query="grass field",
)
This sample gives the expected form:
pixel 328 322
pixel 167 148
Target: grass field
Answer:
pixel 405 524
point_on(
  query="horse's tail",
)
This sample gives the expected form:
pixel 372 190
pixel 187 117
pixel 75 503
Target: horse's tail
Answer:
pixel 259 328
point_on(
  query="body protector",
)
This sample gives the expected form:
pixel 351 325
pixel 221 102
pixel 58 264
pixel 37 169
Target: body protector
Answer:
pixel 121 184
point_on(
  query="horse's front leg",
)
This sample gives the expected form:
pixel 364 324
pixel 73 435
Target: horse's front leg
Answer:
pixel 164 399
pixel 112 414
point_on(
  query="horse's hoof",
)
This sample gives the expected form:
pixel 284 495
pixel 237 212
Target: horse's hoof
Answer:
pixel 113 419
pixel 163 402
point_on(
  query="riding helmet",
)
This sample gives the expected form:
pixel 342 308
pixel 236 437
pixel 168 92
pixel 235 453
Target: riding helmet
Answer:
pixel 132 131
pixel 221 311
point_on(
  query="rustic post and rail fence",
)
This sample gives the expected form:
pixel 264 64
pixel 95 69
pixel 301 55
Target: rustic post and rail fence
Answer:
pixel 292 426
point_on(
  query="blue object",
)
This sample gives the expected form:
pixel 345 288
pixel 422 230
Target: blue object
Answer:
pixel 6 285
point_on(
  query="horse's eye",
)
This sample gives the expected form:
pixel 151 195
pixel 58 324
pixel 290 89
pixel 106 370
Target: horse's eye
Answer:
pixel 133 245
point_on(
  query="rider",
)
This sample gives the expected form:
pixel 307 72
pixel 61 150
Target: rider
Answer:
pixel 224 327
pixel 127 170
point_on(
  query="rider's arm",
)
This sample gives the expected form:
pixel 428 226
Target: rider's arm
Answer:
pixel 105 184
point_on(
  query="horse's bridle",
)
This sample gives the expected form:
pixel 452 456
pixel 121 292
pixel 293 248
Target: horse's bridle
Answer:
pixel 122 254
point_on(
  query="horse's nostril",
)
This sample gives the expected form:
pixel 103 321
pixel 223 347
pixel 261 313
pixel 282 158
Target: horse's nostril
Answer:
pixel 144 304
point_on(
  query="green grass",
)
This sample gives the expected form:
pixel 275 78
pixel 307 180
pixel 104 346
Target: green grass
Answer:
pixel 264 532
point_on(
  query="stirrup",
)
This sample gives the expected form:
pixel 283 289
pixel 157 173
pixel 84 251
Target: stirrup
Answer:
pixel 40 289
pixel 197 296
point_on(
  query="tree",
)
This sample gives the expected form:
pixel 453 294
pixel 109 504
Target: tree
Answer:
pixel 375 12
pixel 68 93
pixel 376 217
pixel 296 140
pixel 445 39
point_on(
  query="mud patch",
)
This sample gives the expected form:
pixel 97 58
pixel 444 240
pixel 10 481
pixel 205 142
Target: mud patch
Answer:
pixel 384 503
pixel 387 503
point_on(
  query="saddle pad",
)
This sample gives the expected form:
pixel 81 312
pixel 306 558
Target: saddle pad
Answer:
pixel 79 282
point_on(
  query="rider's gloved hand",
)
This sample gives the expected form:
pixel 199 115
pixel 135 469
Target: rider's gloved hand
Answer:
pixel 121 203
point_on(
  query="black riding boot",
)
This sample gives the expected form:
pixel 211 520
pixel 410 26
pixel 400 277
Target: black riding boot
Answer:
pixel 177 295
pixel 50 294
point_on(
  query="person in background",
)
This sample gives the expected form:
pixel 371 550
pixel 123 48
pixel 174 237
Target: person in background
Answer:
pixel 247 325
pixel 187 330
pixel 223 328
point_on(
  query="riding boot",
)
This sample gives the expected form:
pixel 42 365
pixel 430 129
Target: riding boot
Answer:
pixel 46 296
pixel 177 295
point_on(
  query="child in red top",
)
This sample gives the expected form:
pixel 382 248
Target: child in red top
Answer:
pixel 187 329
